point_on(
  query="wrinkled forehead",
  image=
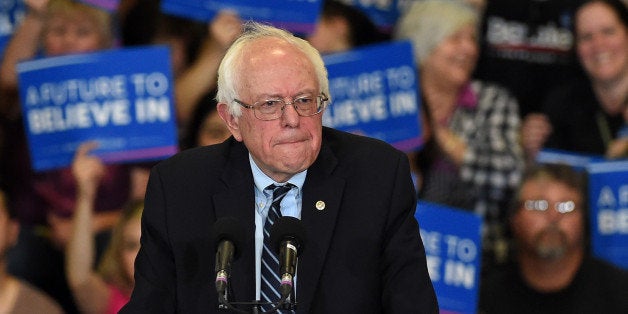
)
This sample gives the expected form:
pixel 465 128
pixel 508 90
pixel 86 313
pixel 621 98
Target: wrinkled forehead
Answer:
pixel 272 56
pixel 265 49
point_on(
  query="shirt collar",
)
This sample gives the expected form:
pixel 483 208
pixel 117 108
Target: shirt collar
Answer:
pixel 262 180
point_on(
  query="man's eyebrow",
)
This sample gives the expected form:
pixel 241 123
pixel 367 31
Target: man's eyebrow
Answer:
pixel 307 92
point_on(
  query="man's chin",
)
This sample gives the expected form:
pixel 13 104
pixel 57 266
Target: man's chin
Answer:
pixel 551 244
pixel 294 168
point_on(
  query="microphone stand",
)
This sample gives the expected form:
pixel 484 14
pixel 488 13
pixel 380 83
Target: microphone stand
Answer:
pixel 282 304
pixel 285 302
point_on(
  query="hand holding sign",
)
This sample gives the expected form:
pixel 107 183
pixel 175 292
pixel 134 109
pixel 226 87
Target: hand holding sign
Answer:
pixel 87 169
pixel 225 28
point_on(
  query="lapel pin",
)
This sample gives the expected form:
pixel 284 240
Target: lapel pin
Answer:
pixel 320 205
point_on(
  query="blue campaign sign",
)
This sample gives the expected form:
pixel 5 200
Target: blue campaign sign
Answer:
pixel 384 13
pixel 453 248
pixel 577 160
pixel 11 14
pixel 120 98
pixel 608 203
pixel 298 16
pixel 374 92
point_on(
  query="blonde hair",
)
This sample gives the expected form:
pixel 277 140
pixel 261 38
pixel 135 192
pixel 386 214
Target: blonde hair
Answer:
pixel 427 23
pixel 111 266
pixel 100 18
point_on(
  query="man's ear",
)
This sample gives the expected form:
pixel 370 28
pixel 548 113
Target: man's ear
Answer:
pixel 231 121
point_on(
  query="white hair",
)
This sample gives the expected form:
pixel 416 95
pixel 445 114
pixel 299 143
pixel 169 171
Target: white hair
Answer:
pixel 427 23
pixel 230 69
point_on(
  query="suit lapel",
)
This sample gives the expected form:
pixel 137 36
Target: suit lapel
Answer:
pixel 322 194
pixel 239 201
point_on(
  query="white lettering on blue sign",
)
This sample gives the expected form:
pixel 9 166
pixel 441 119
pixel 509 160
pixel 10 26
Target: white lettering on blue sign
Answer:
pixel 363 98
pixel 433 266
pixel 461 248
pixel 403 103
pixel 459 255
pixel 154 84
pixel 459 274
pixel 402 77
pixel 358 86
pixel 79 116
pixel 152 109
pixel 612 221
pixel 353 111
pixel 623 195
pixel 11 17
pixel 431 241
pixel 100 101
pixel 606 198
pixel 612 215
pixel 76 90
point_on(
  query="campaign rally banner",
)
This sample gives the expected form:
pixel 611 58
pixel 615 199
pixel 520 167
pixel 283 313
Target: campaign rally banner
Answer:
pixel 608 203
pixel 374 92
pixel 11 14
pixel 453 247
pixel 120 98
pixel 298 16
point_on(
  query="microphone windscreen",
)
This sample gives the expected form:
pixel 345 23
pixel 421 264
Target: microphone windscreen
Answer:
pixel 230 229
pixel 288 228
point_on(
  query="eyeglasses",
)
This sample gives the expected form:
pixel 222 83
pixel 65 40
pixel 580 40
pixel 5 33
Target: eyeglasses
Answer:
pixel 542 206
pixel 272 109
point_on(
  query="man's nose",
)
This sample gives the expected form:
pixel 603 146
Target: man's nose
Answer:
pixel 290 116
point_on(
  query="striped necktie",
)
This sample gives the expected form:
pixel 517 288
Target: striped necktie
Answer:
pixel 270 263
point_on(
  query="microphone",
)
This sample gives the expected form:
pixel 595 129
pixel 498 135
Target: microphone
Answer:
pixel 287 236
pixel 229 235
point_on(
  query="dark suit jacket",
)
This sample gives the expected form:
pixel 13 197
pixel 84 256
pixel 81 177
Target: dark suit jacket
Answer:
pixel 363 252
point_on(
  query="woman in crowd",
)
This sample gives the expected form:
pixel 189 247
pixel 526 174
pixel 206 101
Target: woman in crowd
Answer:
pixel 471 158
pixel 45 201
pixel 108 289
pixel 586 115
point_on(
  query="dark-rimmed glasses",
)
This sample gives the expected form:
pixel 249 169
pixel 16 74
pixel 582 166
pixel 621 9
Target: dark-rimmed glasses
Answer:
pixel 272 108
